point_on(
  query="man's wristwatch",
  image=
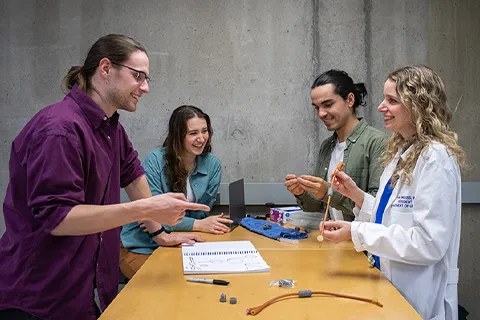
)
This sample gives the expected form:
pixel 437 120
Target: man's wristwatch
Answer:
pixel 156 233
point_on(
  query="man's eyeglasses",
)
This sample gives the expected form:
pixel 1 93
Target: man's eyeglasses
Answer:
pixel 140 76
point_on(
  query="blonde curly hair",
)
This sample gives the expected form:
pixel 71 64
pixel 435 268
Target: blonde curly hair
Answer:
pixel 422 93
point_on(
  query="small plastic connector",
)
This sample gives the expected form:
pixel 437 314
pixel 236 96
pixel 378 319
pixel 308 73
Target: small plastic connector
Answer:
pixel 330 191
pixel 304 293
pixel 223 297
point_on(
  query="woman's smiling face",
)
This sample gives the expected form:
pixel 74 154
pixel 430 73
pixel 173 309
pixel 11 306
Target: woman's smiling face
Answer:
pixel 196 137
pixel 395 115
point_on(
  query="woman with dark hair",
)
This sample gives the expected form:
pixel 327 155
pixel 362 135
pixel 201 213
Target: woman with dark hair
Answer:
pixel 184 164
pixel 336 99
pixel 412 227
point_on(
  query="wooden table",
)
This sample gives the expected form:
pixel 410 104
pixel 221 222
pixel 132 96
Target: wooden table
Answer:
pixel 159 290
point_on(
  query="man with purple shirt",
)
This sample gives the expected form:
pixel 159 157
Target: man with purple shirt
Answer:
pixel 62 211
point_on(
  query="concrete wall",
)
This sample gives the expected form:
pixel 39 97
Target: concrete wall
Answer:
pixel 249 64
pixel 453 45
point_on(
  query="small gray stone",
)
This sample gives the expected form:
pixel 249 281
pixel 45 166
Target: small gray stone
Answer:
pixel 233 300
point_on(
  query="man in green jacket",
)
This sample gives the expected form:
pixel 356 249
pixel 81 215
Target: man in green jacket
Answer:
pixel 354 142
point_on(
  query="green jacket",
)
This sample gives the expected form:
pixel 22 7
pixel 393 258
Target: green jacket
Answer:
pixel 365 145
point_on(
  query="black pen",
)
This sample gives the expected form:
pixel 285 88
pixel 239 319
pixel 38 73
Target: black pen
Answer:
pixel 211 281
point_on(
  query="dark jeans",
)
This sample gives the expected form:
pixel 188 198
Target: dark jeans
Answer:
pixel 16 314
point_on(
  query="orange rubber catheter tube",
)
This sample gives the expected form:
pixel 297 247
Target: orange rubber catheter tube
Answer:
pixel 308 294
pixel 339 168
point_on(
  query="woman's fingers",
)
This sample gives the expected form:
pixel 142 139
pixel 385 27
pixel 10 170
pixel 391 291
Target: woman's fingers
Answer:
pixel 337 231
pixel 221 227
pixel 197 238
pixel 341 177
pixel 224 220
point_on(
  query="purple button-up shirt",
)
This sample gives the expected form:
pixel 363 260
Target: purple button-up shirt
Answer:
pixel 70 153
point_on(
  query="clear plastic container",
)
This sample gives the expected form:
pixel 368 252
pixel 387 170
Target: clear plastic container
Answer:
pixel 308 220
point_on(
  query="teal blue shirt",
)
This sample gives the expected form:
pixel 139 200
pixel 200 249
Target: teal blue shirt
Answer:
pixel 204 180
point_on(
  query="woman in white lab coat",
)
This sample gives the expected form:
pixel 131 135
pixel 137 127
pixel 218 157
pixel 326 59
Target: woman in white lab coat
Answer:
pixel 412 228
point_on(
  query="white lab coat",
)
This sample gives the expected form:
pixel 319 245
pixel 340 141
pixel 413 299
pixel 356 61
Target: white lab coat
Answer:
pixel 419 237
